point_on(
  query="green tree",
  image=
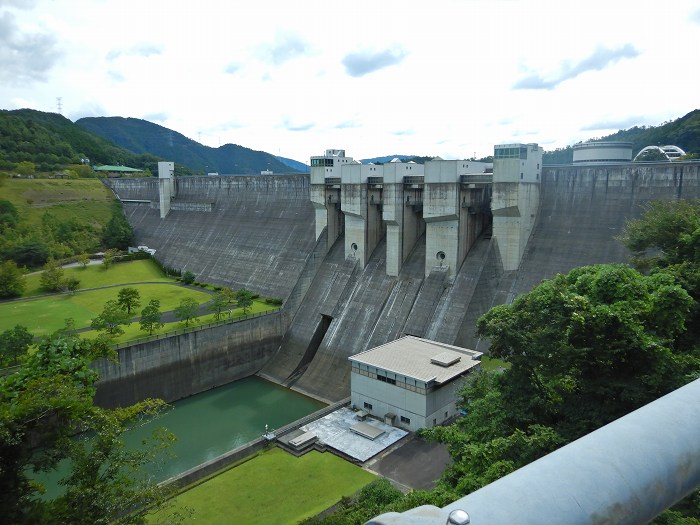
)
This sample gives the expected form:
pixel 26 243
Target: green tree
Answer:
pixel 218 304
pixel 42 405
pixel 118 233
pixel 151 317
pixel 188 277
pixel 14 344
pixel 11 280
pixel 52 277
pixel 109 257
pixel 83 259
pixel 25 168
pixel 244 299
pixel 31 252
pixel 129 298
pixel 70 284
pixel 187 310
pixel 590 346
pixel 8 215
pixel 112 318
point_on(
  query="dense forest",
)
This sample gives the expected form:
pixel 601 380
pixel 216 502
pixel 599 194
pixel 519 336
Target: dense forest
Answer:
pixel 141 136
pixel 52 142
pixel 683 132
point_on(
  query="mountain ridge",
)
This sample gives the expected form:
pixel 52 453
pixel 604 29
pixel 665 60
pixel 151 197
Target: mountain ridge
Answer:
pixel 141 136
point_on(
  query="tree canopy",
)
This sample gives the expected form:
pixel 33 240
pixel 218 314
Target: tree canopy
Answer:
pixel 11 280
pixel 41 408
pixel 111 319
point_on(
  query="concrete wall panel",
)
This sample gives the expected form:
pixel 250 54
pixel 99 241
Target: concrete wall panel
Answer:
pixel 183 365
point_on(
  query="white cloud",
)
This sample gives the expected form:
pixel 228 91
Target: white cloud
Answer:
pixel 600 59
pixel 285 47
pixel 24 56
pixel 449 78
pixel 361 63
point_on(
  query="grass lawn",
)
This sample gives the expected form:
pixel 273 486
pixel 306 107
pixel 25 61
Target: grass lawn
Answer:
pixel 45 315
pixel 274 487
pixel 96 275
pixel 86 200
pixel 491 363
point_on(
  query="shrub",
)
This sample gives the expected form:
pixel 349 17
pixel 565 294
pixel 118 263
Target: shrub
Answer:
pixel 274 301
pixel 188 277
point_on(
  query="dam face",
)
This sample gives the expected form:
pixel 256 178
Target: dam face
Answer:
pixel 251 232
pixel 340 300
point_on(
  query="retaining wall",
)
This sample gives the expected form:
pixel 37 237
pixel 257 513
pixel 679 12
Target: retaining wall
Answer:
pixel 190 363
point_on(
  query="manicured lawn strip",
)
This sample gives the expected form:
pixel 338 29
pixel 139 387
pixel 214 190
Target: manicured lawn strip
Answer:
pixel 47 314
pixel 274 487
pixel 96 275
pixel 491 363
pixel 133 331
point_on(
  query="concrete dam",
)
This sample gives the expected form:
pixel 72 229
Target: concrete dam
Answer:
pixel 363 254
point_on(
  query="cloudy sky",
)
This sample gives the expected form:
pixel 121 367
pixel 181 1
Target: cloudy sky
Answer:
pixel 379 77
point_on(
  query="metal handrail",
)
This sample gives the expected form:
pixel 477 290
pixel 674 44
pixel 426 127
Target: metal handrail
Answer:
pixel 626 472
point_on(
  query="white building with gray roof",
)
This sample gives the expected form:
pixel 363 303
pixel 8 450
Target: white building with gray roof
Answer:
pixel 411 382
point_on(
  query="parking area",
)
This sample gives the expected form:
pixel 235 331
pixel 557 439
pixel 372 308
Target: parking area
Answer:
pixel 414 463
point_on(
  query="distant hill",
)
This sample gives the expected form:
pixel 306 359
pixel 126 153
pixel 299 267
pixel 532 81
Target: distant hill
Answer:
pixel 683 132
pixel 141 136
pixel 52 142
pixel 294 164
pixel 388 158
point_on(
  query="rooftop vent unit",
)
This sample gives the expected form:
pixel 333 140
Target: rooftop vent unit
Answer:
pixel 445 359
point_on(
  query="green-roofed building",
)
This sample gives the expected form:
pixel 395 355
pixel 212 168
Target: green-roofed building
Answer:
pixel 117 171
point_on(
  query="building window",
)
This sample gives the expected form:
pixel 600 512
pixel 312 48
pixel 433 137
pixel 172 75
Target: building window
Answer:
pixel 368 406
pixel 406 420
pixel 521 175
pixel 385 379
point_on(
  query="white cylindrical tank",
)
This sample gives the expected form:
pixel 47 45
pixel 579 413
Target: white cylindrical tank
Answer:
pixel 589 152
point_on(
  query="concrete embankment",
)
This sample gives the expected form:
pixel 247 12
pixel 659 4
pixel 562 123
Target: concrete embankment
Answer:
pixel 257 236
pixel 183 365
pixel 584 209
